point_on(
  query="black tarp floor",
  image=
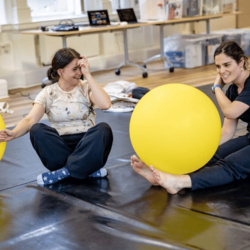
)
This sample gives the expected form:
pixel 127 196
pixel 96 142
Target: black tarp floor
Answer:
pixel 121 211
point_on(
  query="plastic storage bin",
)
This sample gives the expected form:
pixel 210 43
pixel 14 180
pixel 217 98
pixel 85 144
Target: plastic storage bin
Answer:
pixel 240 36
pixel 185 51
pixel 231 35
pixel 192 8
pixel 213 41
pixel 245 41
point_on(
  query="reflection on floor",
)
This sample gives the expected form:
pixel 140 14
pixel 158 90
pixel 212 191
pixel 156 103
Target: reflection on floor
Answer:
pixel 121 211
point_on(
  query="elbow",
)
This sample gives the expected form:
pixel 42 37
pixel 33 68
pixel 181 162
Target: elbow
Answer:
pixel 230 116
pixel 106 106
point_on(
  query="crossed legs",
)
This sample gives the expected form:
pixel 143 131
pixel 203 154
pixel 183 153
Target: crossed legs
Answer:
pixel 77 155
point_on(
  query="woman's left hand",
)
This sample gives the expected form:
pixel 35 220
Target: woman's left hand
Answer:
pixel 84 64
pixel 219 81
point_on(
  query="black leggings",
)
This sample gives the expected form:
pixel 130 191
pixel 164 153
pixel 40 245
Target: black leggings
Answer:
pixel 82 154
pixel 230 162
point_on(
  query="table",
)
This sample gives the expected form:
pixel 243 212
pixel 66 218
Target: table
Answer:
pixel 161 25
pixel 90 30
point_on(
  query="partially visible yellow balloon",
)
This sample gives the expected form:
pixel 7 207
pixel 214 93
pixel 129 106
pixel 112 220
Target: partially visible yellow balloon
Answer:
pixel 5 222
pixel 2 144
pixel 176 128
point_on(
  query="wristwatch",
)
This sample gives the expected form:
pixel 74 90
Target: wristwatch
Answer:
pixel 215 86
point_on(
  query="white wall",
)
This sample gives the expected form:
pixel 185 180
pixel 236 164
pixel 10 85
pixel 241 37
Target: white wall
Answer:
pixel 105 50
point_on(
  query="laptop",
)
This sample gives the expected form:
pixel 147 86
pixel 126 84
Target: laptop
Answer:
pixel 127 15
pixel 98 17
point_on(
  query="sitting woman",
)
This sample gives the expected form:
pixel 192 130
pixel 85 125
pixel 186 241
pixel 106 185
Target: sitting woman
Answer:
pixel 73 145
pixel 232 158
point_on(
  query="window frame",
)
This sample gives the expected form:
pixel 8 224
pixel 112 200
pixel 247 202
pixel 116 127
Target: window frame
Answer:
pixel 72 13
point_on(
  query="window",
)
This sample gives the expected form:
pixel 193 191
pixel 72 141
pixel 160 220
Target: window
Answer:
pixel 2 13
pixel 54 9
pixel 51 7
pixel 122 4
pixel 92 4
pixel 127 3
pixel 115 5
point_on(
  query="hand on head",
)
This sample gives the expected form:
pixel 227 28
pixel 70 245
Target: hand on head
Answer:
pixel 84 64
pixel 219 81
pixel 6 135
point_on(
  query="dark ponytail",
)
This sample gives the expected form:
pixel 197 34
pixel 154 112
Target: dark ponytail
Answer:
pixel 61 59
pixel 52 75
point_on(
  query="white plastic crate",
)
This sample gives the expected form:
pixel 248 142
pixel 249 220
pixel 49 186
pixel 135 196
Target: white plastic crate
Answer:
pixel 245 41
pixel 240 36
pixel 231 35
pixel 185 51
pixel 213 41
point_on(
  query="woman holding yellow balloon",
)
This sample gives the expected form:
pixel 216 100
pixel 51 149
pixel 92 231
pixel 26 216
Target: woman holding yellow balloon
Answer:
pixel 231 161
pixel 73 145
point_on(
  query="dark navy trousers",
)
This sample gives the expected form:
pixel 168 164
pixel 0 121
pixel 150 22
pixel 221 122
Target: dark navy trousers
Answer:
pixel 82 154
pixel 230 162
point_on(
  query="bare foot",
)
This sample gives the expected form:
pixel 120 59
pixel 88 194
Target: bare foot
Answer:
pixel 142 169
pixel 172 183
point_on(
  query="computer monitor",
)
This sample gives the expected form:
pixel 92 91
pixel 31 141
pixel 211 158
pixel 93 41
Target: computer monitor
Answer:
pixel 98 17
pixel 127 15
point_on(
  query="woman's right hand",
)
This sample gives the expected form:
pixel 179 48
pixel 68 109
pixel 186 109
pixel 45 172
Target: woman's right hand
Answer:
pixel 6 135
pixel 84 64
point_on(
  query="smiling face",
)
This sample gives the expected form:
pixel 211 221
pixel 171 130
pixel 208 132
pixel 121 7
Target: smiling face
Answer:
pixel 228 68
pixel 71 73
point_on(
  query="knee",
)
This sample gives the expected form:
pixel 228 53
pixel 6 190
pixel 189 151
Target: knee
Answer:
pixel 37 130
pixel 104 130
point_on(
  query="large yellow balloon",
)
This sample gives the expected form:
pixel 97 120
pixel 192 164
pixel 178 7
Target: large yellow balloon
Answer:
pixel 2 144
pixel 176 128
